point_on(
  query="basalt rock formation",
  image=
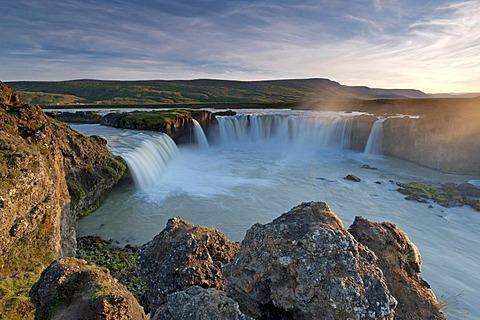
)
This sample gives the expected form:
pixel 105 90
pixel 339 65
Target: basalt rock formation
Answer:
pixel 196 303
pixel 74 289
pixel 400 261
pixel 49 173
pixel 180 256
pixel 445 142
pixel 305 265
pixel 77 117
pixel 178 124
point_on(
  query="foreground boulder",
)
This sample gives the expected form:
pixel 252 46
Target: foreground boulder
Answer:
pixel 183 255
pixel 305 265
pixel 197 303
pixel 400 261
pixel 74 289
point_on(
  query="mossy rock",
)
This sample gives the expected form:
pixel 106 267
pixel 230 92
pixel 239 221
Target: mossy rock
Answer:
pixel 15 302
pixel 447 194
pixel 121 262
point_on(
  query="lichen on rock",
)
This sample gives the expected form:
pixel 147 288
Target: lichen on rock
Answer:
pixel 74 289
pixel 180 256
pixel 400 261
pixel 196 303
pixel 305 265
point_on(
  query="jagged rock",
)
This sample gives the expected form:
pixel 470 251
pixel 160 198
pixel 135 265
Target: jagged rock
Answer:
pixel 74 289
pixel 305 265
pixel 8 96
pixel 352 177
pixel 196 303
pixel 180 256
pixel 48 174
pixel 400 261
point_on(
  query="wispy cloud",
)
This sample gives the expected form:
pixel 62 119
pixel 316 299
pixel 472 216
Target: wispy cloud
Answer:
pixel 381 43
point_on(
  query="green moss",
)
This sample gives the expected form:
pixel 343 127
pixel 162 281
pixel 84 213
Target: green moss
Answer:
pixel 445 195
pixel 121 262
pixel 14 296
pixel 75 190
pixel 156 119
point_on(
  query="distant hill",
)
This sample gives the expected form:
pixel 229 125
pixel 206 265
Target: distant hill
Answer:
pixel 197 91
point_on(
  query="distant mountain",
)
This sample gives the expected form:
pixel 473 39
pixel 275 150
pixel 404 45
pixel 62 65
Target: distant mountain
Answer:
pixel 197 91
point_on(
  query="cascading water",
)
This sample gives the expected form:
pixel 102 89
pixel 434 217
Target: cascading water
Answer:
pixel 200 137
pixel 146 153
pixel 251 182
pixel 326 130
pixel 147 162
pixel 375 139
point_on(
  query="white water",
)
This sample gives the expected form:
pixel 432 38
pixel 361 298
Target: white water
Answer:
pixel 325 129
pixel 200 137
pixel 253 176
pixel 146 153
pixel 375 139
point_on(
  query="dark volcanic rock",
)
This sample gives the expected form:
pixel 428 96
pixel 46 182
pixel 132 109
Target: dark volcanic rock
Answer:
pixel 400 261
pixel 196 303
pixel 180 256
pixel 305 265
pixel 225 113
pixel 176 123
pixel 353 178
pixel 74 289
pixel 77 117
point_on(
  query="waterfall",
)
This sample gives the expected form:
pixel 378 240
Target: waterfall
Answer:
pixel 320 130
pixel 375 138
pixel 200 136
pixel 147 161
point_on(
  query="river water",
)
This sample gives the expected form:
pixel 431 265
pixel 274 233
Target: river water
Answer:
pixel 261 164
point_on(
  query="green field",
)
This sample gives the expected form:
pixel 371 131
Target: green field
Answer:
pixel 211 93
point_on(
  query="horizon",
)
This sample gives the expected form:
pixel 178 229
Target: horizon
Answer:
pixel 432 46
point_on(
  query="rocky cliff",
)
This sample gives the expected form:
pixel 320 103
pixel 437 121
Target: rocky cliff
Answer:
pixel 445 142
pixel 178 124
pixel 49 174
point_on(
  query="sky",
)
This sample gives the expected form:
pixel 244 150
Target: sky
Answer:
pixel 431 45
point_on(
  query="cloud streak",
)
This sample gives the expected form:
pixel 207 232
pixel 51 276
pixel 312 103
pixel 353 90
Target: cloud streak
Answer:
pixel 433 46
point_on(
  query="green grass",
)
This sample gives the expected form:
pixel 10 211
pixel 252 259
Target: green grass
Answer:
pixel 157 119
pixel 15 303
pixel 185 92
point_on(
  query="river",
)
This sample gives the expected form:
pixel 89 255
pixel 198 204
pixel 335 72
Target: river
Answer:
pixel 261 164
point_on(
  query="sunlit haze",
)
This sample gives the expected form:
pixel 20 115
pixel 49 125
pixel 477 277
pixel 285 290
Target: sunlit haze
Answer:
pixel 431 45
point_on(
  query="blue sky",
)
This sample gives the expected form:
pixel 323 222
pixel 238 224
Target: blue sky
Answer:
pixel 429 45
